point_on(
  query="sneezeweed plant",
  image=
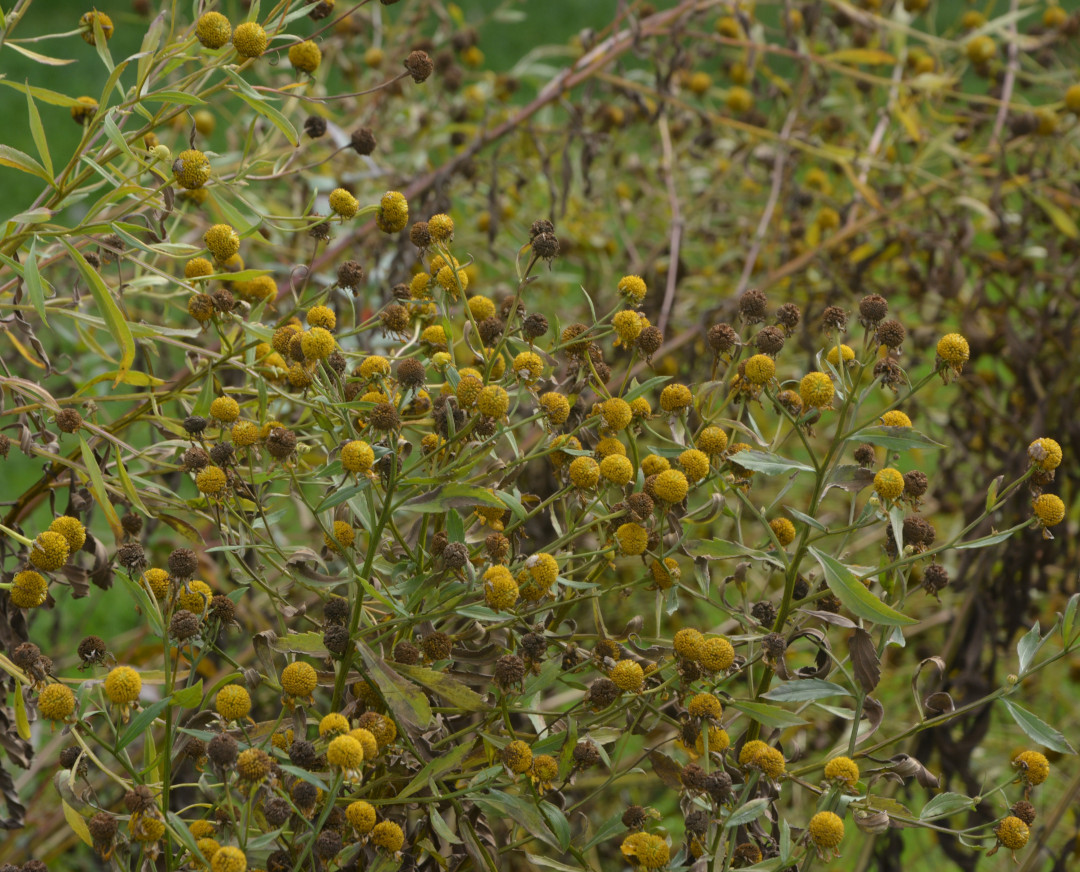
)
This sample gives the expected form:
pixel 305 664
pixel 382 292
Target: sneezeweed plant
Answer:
pixel 425 574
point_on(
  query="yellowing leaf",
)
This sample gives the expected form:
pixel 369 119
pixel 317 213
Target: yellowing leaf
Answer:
pixel 861 56
pixel 1059 216
pixel 908 120
pixel 77 823
pixel 22 723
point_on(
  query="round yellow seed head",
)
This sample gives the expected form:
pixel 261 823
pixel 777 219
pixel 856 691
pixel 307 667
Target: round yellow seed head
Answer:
pixel 671 486
pixel 1045 454
pixel 84 109
pixel 895 418
pixel 712 440
pixel 29 589
pixel 191 169
pixel 654 464
pixel 493 401
pixel 627 326
pixel 584 472
pixel 760 369
pixel 633 289
pixel 123 685
pixel 343 203
pixel 555 406
pixel 222 242
pixel 517 756
pixel 157 581
pixel 695 464
pixel 816 390
pixel 842 770
pixel 225 409
pixel 500 589
pixel 845 351
pixel 1049 509
pixel 317 344
pixel 441 228
pixel 50 551
pixel 953 348
pixel 616 413
pixel 299 679
pixel 675 398
pixel 1033 766
pixel 633 539
pixel 628 675
pixel 229 859
pixel 1013 833
pixel 211 480
pixel 197 268
pixel 367 741
pixel 610 446
pixel 889 484
pixel 87 25
pixel 783 530
pixel 361 815
pixel 334 724
pixel 321 316
pixel 71 529
pixel 213 30
pixel 357 456
pixel 393 213
pixel 705 705
pixel 244 433
pixel 196 598
pixel 305 56
pixel 689 643
pixel 345 752
pixel 826 830
pixel 250 40
pixel 527 366
pixel 341 538
pixel 717 654
pixel 617 469
pixel 56 702
pixel 388 836
pixel 233 702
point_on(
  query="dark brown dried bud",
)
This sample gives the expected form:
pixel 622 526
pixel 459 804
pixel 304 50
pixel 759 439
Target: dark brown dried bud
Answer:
pixel 697 822
pixel 183 625
pixel 437 646
pixel 419 66
pixel 279 861
pixel 872 309
pixel 586 755
pixel 491 329
pixel 223 300
pixel 420 235
pixel 384 417
pixel 281 443
pixel 540 225
pixel 573 656
pixel 92 650
pixel 746 854
pixel 222 609
pixel 546 245
pixel 830 602
pixel 132 523
pixel 328 845
pixel 918 531
pixel 406 653
pixel 277 810
pixel 774 646
pixel 362 140
pixel 834 318
pixel 304 794
pixel 222 750
pixel 534 646
pixel 194 424
pixel 336 638
pixel 302 754
pixel 865 455
pixel 891 334
pixel 535 326
pixel 722 338
pixel 336 610
pixel 649 341
pixel 102 828
pixel 70 756
pixel 194 459
pixel 889 372
pixel 320 231
pixel 34 866
pixel 322 10
pixel 439 542
pixel 509 671
pixel 915 484
pixel 139 799
pixel 68 420
pixel 753 306
pixel 350 275
pixel 183 564
pixel 336 362
pixel 602 693
pixel 26 656
pixel 935 578
pixel 571 340
pixel 222 453
pixel 395 319
pixel 693 777
pixel 131 556
pixel 788 317
pixel 497 547
pixel 769 340
pixel 1025 811
pixel 5 445
pixel 764 612
pixel 315 126
pixel 455 555
pixel 634 817
pixel 195 749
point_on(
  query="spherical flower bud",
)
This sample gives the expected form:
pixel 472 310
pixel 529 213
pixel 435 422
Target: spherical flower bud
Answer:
pixel 895 418
pixel 357 456
pixel 441 228
pixel 760 369
pixel 1045 454
pixel 1048 508
pixel 705 705
pixel 343 203
pixel 712 440
pixel 633 539
pixel 1034 767
pixel 195 597
pixel 783 530
pixel 222 242
pixel 647 850
pixel 233 702
pixel 632 289
pixel 1012 833
pixel 86 24
pixel 842 770
pixel 889 484
pixel 29 589
pixel 493 401
pixel 123 685
pixel 50 551
pixel 670 486
pixel 305 56
pixel 954 350
pixel 392 215
pixel 500 589
pixel 317 343
pixel 695 464
pixel 56 702
pixel 213 30
pixel 211 480
pixel 617 469
pixel 675 398
pixel 555 406
pixel 717 654
pixel 388 836
pixel 616 413
pixel 628 675
pixel 689 643
pixel 584 473
pixel 191 169
pixel 816 390
pixel 826 830
pixel 361 815
pixel 845 352
pixel 84 109
pixel 517 756
pixel 225 409
pixel 250 40
pixel 298 680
